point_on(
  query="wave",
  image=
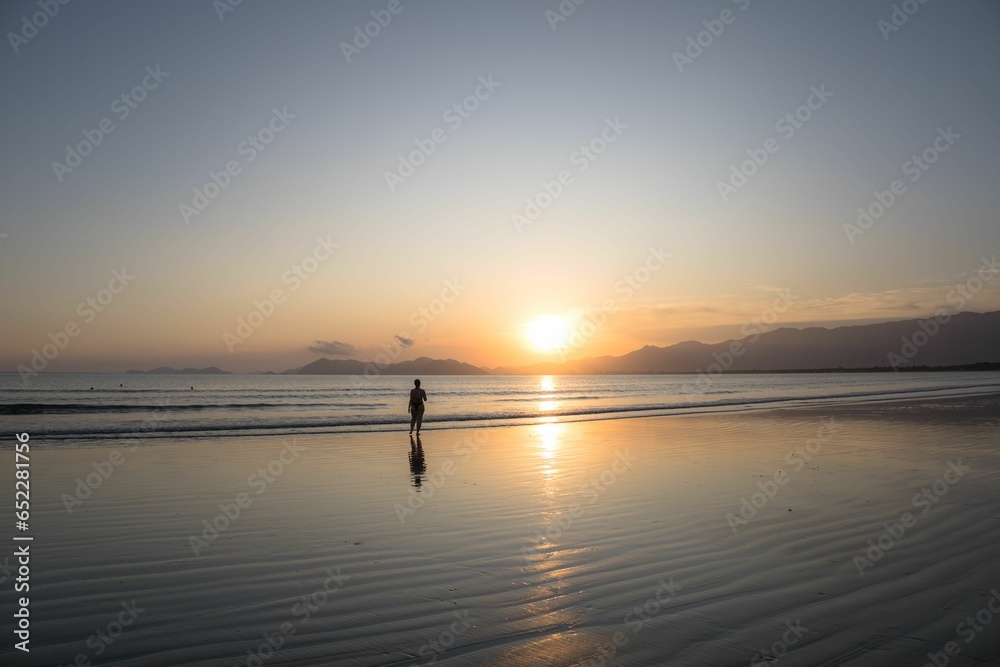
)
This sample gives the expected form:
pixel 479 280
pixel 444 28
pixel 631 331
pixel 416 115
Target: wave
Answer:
pixel 547 396
pixel 374 422
pixel 15 409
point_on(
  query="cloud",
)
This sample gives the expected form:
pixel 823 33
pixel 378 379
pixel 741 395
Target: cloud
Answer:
pixel 333 347
pixel 405 342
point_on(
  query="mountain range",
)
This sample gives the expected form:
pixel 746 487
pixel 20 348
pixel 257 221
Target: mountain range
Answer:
pixel 963 340
pixel 967 338
pixel 420 366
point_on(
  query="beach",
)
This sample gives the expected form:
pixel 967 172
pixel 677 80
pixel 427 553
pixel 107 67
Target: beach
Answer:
pixel 699 307
pixel 862 534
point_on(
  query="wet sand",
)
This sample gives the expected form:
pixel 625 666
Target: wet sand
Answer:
pixel 715 539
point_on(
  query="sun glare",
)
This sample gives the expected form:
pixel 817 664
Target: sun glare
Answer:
pixel 548 332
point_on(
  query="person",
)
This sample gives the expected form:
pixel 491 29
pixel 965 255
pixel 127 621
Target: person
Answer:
pixel 416 406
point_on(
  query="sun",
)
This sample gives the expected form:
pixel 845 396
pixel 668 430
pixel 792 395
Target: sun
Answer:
pixel 548 332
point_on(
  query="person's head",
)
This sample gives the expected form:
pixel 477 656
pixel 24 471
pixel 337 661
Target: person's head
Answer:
pixel 416 383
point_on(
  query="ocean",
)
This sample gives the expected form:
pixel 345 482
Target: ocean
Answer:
pixel 67 408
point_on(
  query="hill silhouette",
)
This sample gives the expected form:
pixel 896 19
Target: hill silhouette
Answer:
pixel 968 338
pixel 968 341
pixel 420 366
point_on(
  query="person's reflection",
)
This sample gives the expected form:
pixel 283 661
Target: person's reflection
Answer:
pixel 417 466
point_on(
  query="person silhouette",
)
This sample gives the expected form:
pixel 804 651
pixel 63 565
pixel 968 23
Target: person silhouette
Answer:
pixel 416 406
pixel 417 465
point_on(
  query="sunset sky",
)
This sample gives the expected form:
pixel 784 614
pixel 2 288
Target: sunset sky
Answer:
pixel 663 131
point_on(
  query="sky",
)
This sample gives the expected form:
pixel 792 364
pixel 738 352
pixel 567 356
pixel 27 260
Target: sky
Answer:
pixel 255 185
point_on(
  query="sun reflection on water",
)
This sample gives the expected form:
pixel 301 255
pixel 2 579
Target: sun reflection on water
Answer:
pixel 546 403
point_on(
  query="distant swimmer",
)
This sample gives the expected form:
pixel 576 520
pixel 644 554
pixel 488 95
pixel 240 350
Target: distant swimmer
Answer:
pixel 416 406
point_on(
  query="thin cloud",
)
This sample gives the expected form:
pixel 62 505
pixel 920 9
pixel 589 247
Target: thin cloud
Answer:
pixel 333 347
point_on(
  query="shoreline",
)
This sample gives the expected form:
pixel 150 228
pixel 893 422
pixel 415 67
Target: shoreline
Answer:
pixel 735 408
pixel 721 529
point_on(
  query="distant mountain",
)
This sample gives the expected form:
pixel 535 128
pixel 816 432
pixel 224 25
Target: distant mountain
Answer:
pixel 968 338
pixel 166 370
pixel 421 366
pixel 968 341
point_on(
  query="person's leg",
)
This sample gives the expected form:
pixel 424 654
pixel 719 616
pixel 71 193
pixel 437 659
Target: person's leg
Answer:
pixel 413 419
pixel 420 419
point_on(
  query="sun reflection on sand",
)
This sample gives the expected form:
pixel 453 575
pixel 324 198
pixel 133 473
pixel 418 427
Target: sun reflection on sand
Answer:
pixel 548 432
pixel 548 438
pixel 546 564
